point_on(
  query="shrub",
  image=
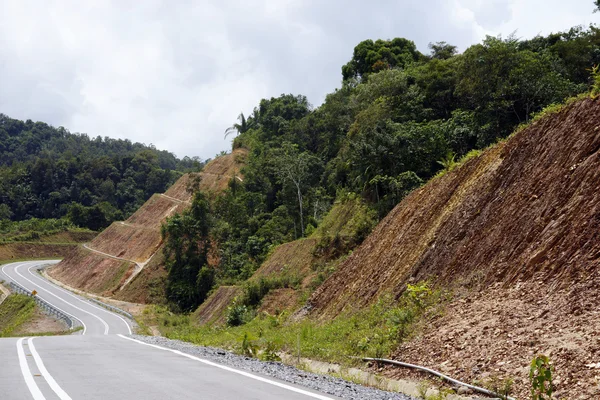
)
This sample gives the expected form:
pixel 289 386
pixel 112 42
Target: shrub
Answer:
pixel 540 376
pixel 596 78
pixel 237 315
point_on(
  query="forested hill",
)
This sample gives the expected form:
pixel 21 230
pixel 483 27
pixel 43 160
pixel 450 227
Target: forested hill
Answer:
pixel 399 118
pixel 48 172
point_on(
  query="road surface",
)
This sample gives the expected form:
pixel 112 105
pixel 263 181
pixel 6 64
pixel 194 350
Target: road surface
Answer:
pixel 101 362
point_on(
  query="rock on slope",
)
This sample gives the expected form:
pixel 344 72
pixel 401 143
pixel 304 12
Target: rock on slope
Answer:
pixel 517 232
pixel 125 260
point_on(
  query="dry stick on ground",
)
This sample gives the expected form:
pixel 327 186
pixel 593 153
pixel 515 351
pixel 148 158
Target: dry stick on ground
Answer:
pixel 439 375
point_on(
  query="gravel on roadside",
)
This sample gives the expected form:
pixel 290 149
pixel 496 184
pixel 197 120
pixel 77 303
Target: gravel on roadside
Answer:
pixel 322 383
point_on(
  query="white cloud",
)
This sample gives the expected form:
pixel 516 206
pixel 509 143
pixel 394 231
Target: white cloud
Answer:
pixel 176 74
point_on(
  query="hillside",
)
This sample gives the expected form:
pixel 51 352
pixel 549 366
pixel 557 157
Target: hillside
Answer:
pixel 48 172
pixel 40 239
pixel 125 260
pixel 19 315
pixel 514 233
pixel 293 269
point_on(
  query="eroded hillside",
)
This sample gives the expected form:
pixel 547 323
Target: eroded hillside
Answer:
pixel 515 233
pixel 125 260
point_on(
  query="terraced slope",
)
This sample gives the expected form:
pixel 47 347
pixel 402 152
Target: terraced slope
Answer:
pixel 126 257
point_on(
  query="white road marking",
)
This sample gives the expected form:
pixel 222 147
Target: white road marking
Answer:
pixel 55 306
pixel 236 371
pixel 31 385
pixel 58 297
pixel 78 298
pixel 40 364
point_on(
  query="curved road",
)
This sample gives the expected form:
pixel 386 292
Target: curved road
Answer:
pixel 102 363
pixel 94 319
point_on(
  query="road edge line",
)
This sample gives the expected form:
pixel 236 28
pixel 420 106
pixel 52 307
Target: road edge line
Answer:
pixel 78 298
pixel 106 328
pixel 236 371
pixel 53 305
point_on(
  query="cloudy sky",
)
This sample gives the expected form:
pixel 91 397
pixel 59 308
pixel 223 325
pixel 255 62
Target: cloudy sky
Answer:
pixel 177 73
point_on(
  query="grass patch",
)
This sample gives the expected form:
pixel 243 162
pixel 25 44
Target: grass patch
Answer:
pixel 374 332
pixel 34 229
pixel 14 312
pixel 116 277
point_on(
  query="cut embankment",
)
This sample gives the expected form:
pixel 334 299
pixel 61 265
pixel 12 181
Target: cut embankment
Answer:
pixel 154 211
pixel 292 258
pixel 92 272
pixel 20 250
pixel 132 243
pixel 514 234
pixel 525 207
pixel 214 178
pixel 125 260
pixel 148 286
pixel 214 309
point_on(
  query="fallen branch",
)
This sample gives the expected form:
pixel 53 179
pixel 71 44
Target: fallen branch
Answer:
pixel 439 375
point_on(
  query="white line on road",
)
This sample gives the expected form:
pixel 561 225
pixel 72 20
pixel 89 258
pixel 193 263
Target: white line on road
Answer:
pixel 72 305
pixel 78 298
pixel 53 305
pixel 58 297
pixel 236 371
pixel 31 385
pixel 51 382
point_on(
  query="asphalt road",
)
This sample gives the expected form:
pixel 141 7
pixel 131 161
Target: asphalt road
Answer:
pixel 94 319
pixel 102 363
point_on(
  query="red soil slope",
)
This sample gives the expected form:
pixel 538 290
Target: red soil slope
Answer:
pixel 293 258
pixel 521 225
pixel 213 310
pixel 529 205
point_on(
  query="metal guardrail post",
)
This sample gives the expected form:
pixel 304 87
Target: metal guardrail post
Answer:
pixel 45 306
pixel 112 308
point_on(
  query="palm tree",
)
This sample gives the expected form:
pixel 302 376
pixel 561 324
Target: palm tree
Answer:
pixel 238 128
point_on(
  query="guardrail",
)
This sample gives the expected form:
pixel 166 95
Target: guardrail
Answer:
pixel 112 308
pixel 45 306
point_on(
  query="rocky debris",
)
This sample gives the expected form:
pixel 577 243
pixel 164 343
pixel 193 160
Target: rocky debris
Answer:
pixel 322 383
pixel 494 334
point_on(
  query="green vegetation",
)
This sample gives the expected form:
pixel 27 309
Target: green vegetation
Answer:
pixel 14 312
pixel 596 77
pixel 48 172
pixel 33 229
pixel 373 332
pixel 186 253
pixel 540 376
pixel 399 119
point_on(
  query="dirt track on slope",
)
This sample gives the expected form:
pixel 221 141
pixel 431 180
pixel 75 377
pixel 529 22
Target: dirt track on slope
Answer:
pixel 139 239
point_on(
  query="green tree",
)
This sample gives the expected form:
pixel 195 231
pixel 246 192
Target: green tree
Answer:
pixel 294 167
pixel 442 50
pixel 187 242
pixel 238 128
pixel 370 56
